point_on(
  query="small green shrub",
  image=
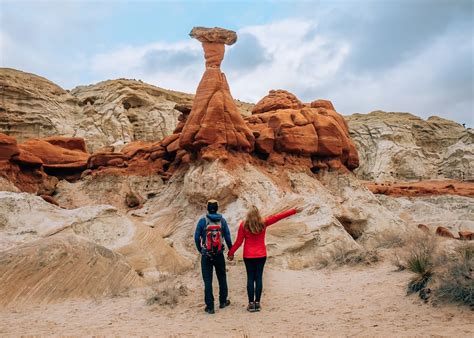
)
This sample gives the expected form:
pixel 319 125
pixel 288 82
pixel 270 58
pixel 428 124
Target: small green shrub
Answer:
pixel 419 258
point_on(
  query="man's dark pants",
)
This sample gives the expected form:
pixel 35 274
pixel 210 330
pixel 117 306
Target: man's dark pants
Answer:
pixel 208 263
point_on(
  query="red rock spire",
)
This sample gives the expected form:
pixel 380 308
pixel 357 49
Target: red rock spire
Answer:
pixel 214 121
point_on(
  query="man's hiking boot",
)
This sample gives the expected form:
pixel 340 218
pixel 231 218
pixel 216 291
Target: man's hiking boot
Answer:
pixel 251 307
pixel 257 306
pixel 209 310
pixel 224 304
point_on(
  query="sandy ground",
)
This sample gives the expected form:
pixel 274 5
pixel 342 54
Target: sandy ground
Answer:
pixel 349 301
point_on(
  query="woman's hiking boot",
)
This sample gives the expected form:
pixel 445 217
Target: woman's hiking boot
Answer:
pixel 251 307
pixel 257 306
pixel 224 304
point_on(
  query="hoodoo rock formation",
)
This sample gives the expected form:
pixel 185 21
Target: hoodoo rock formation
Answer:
pixel 214 121
pixel 282 123
pixel 281 129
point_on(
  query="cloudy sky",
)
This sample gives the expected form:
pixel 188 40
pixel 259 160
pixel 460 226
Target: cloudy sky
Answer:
pixel 405 55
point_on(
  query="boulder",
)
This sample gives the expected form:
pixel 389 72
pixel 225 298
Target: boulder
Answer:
pixel 27 159
pixel 49 199
pixel 424 228
pixel 326 104
pixel 106 159
pixel 71 143
pixel 53 154
pixel 277 99
pixel 444 232
pixel 313 130
pixel 8 147
pixel 466 235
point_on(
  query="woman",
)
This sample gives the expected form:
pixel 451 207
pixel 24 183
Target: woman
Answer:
pixel 255 252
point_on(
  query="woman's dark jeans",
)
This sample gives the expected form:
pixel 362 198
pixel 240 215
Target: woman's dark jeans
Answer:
pixel 254 268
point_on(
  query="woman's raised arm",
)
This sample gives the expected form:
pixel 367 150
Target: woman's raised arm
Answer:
pixel 278 217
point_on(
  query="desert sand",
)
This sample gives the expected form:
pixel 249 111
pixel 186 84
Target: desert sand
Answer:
pixel 348 301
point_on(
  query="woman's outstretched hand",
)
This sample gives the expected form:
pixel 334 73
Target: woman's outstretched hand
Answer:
pixel 230 258
pixel 298 209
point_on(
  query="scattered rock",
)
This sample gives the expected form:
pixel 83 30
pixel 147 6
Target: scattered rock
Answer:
pixel 466 235
pixel 424 228
pixel 444 232
pixel 49 199
pixel 132 200
pixel 8 147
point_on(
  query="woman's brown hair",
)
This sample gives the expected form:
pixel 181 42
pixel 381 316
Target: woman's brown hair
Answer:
pixel 254 222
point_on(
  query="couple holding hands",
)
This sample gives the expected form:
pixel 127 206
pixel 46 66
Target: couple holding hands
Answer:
pixel 211 232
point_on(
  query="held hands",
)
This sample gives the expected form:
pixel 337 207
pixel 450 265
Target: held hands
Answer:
pixel 230 258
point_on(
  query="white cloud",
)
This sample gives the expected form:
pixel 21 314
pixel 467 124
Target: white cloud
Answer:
pixel 286 46
pixel 134 62
pixel 321 56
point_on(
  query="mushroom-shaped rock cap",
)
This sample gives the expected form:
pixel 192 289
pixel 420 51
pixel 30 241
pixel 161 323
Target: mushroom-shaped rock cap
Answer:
pixel 214 35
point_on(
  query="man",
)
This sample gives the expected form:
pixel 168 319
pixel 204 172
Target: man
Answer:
pixel 210 231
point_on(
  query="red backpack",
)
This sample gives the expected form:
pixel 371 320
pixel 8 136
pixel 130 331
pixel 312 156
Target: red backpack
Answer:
pixel 213 241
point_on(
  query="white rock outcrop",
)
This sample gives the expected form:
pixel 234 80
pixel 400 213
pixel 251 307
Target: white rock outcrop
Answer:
pixel 401 146
pixel 92 251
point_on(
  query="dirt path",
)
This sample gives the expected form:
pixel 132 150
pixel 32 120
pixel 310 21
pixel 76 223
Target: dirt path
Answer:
pixel 357 301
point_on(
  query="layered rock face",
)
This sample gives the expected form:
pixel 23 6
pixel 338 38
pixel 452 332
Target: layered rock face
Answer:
pixel 391 146
pixel 32 106
pixel 89 252
pixel 423 188
pixel 121 111
pixel 450 211
pixel 214 121
pixel 336 208
pixel 284 124
pixel 401 146
pixel 114 112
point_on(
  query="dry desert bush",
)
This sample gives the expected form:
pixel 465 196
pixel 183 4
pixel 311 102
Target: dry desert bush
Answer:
pixel 455 280
pixel 167 293
pixel 391 239
pixel 339 255
pixel 441 268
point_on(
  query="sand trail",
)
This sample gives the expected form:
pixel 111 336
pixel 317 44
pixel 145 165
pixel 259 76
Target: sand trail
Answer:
pixel 349 301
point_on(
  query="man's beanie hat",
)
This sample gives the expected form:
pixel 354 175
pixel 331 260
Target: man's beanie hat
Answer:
pixel 212 206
